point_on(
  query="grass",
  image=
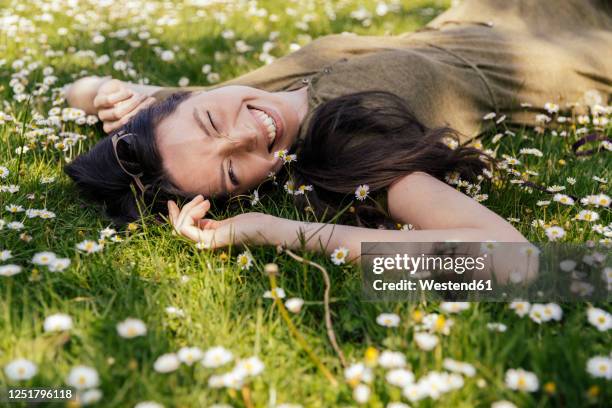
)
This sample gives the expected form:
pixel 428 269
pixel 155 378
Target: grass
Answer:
pixel 223 305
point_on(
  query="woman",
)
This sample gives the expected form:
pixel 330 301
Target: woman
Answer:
pixel 356 110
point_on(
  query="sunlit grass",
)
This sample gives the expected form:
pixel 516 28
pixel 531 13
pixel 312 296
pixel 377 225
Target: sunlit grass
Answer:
pixel 151 269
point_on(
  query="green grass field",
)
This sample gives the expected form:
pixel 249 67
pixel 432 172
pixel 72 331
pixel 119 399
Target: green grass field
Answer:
pixel 147 269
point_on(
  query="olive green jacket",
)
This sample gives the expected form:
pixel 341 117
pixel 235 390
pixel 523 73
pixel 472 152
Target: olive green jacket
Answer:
pixel 504 56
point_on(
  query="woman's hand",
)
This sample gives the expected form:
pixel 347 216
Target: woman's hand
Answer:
pixel 116 103
pixel 241 229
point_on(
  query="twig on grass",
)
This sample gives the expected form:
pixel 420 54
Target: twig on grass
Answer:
pixel 331 334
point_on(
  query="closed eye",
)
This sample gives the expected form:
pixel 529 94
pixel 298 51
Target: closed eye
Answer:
pixel 232 175
pixel 211 122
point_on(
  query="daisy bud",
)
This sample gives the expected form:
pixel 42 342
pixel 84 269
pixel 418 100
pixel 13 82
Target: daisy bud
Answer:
pixel 271 269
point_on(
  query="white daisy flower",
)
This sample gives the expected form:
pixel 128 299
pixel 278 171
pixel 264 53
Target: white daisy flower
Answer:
pixel 599 318
pixel 587 215
pixel 388 319
pixel 426 341
pixel 460 367
pixel 59 264
pixel 148 404
pixel 83 377
pixel 89 397
pixel 43 258
pixel 520 307
pixel 251 366
pixel 392 359
pixel 554 233
pixel 498 327
pixel 454 307
pixel 358 372
pixel 503 404
pixel 600 367
pixel 20 369
pixel 338 257
pixel 130 328
pixel 276 293
pixel 361 193
pixel 175 311
pixel 5 255
pixel 89 246
pixel 400 377
pixel 294 304
pixel 563 199
pixel 216 357
pixel 361 393
pixel 521 380
pixel 10 269
pixel 57 322
pixel 190 355
pixel 166 363
pixel 244 260
pixel 567 265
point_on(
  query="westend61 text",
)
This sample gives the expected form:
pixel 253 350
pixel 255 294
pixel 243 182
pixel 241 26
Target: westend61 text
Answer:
pixel 430 284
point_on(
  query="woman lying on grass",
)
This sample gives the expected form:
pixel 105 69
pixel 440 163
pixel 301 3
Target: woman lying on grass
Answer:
pixel 343 112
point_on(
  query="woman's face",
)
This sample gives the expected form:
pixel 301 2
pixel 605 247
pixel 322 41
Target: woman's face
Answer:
pixel 221 141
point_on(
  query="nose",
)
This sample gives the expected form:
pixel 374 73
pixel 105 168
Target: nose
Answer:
pixel 240 139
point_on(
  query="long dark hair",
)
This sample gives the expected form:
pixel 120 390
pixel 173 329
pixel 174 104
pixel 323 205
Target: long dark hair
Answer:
pixel 361 138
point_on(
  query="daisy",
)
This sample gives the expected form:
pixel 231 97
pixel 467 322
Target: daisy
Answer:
pixel 43 258
pixel 148 404
pixel 567 265
pixel 83 377
pixel 600 367
pixel 520 307
pixel 388 319
pixel 130 328
pixel 586 215
pixel 20 369
pixel 89 397
pixel 521 380
pixel 190 355
pixel 166 363
pixel 10 269
pixel 503 404
pixel 57 322
pixel 392 359
pixel 362 192
pixel 294 304
pixel 454 307
pixel 275 293
pixel 338 257
pixel 59 264
pixel 216 357
pixel 89 246
pixel 361 393
pixel 426 341
pixel 599 318
pixel 563 199
pixel 251 366
pixel 5 255
pixel 498 327
pixel 459 367
pixel 175 311
pixel 358 372
pixel 244 260
pixel 554 233
pixel 400 377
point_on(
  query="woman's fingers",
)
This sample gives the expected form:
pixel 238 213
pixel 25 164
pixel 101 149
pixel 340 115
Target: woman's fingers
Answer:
pixel 121 108
pixel 107 100
pixel 109 125
pixel 195 201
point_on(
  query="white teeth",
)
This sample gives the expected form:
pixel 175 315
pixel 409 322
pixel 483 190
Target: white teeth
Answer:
pixel 268 123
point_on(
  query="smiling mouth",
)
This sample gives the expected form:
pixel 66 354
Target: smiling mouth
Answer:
pixel 268 123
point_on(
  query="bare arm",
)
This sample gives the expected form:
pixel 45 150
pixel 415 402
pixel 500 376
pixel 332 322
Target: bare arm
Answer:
pixel 440 213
